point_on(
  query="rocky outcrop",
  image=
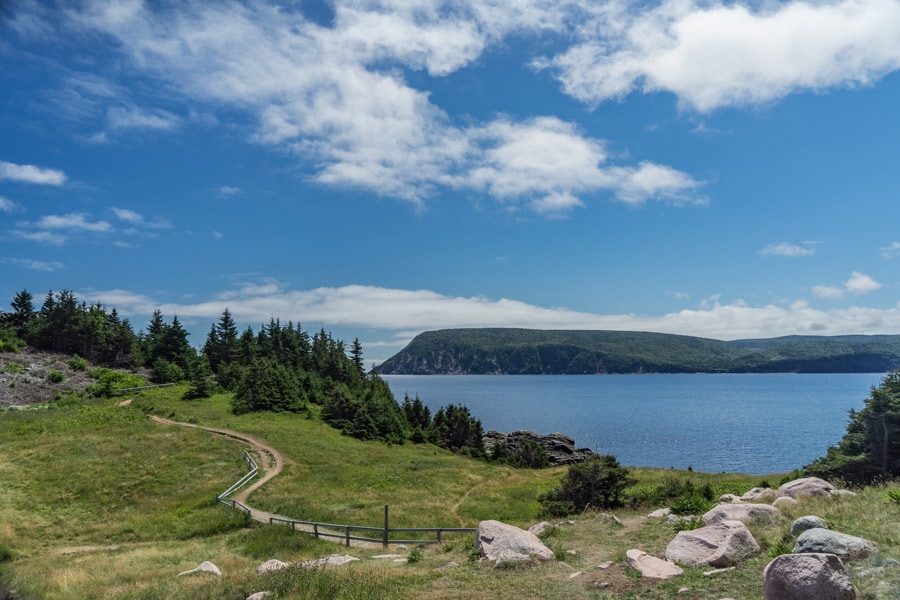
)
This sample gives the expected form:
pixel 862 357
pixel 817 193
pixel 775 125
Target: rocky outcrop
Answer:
pixel 334 560
pixel 500 542
pixel 739 512
pixel 807 577
pixel 270 566
pixel 652 567
pixel 825 541
pixel 759 495
pixel 560 448
pixel 719 545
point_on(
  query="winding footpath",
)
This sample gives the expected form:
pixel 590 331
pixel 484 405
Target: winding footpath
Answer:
pixel 274 464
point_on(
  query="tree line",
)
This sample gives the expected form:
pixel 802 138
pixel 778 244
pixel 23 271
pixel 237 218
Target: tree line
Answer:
pixel 280 367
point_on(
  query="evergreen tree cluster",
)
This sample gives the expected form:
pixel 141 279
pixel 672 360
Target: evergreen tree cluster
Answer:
pixel 870 449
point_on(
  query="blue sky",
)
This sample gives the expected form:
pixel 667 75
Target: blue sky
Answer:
pixel 380 168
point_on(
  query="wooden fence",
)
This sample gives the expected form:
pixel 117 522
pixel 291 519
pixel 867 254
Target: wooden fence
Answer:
pixel 330 530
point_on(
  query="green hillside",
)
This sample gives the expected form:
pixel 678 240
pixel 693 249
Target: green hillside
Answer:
pixel 529 351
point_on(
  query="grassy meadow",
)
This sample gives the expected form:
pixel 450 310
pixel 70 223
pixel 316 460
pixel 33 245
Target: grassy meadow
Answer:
pixel 97 501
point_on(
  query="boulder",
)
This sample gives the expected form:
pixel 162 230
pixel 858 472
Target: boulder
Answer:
pixel 330 561
pixel 807 577
pixel 652 567
pixel 258 596
pixel 825 541
pixel 739 512
pixel 783 502
pixel 760 494
pixel 721 544
pixel 807 522
pixel 271 566
pixel 729 499
pixel 500 542
pixel 808 486
pixel 538 528
pixel 204 567
pixel 842 493
pixel 661 513
pixel 560 448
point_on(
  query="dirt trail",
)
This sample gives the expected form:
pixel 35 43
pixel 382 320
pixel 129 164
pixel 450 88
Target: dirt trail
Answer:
pixel 275 462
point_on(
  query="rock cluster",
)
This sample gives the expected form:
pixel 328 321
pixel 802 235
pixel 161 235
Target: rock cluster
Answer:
pixel 560 448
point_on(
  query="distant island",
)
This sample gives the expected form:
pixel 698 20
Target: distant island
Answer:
pixel 501 351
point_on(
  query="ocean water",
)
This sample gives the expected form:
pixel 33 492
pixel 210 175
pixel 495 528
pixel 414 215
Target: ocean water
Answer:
pixel 745 423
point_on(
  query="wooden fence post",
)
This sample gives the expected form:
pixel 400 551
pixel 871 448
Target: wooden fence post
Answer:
pixel 384 539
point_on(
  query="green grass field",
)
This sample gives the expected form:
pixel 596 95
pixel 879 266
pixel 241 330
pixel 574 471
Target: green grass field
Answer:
pixel 97 501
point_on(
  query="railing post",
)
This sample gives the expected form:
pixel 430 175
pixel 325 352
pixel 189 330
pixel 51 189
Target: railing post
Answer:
pixel 316 530
pixel 348 535
pixel 384 539
pixel 439 536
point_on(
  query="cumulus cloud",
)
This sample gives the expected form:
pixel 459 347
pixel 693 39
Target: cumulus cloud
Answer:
pixel 861 284
pixel 858 284
pixel 31 174
pixel 336 96
pixel 787 249
pixel 714 54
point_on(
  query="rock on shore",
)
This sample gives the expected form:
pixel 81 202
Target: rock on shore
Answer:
pixel 560 448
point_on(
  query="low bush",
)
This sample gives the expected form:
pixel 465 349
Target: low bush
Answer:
pixel 55 377
pixel 595 483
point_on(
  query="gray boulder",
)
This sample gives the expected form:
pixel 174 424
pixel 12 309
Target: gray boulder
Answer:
pixel 807 522
pixel 825 541
pixel 807 486
pixel 721 544
pixel 258 596
pixel 538 528
pixel 740 512
pixel 760 494
pixel 807 577
pixel 334 560
pixel 784 502
pixel 271 566
pixel 652 567
pixel 500 542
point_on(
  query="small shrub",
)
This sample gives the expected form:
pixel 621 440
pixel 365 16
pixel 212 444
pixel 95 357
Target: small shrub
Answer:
pixel 779 548
pixel 596 483
pixel 893 495
pixel 6 553
pixel 55 377
pixel 693 504
pixel 76 363
pixel 687 524
pixel 415 555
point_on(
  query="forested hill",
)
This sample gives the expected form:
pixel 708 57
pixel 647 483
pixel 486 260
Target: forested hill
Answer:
pixel 530 351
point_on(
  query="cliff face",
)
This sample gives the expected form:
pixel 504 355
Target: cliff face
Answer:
pixel 560 448
pixel 536 352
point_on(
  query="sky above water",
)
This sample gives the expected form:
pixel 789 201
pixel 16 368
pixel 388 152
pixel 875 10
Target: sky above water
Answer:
pixel 381 168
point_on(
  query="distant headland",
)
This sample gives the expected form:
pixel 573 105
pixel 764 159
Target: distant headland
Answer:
pixel 501 351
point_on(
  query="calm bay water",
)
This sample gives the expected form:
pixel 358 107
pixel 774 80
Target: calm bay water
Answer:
pixel 755 423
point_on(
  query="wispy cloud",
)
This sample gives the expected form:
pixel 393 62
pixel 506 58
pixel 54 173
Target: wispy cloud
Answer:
pixel 138 118
pixel 787 249
pixel 36 265
pixel 890 251
pixel 714 54
pixel 31 174
pixel 73 221
pixel 138 220
pixel 8 206
pixel 229 190
pixel 41 237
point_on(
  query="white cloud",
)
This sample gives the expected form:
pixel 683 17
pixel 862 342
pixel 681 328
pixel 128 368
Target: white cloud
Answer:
pixel 136 118
pixel 218 235
pixel 229 190
pixel 891 250
pixel 36 265
pixel 31 174
pixel 76 221
pixel 712 54
pixel 861 284
pixel 8 206
pixel 858 284
pixel 827 292
pixel 336 98
pixel 786 249
pixel 41 237
pixel 137 219
pixel 407 312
